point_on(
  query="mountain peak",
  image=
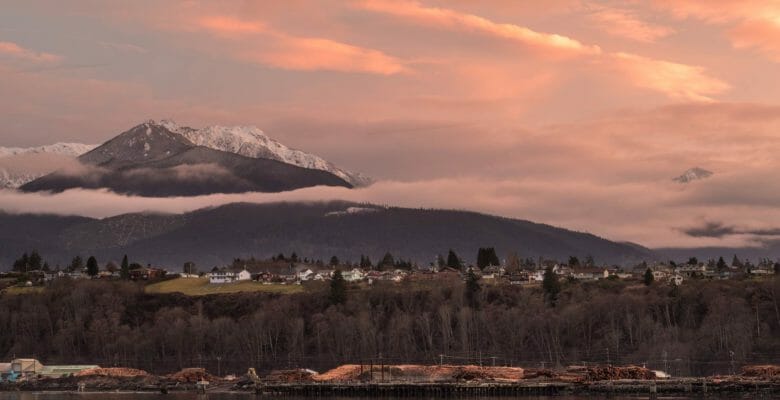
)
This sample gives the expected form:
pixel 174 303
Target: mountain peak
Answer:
pixel 147 141
pixel 252 142
pixel 693 174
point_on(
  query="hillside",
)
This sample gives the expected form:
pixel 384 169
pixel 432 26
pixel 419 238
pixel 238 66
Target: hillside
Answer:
pixel 215 236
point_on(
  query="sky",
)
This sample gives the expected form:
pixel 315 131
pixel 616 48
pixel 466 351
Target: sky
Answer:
pixel 572 113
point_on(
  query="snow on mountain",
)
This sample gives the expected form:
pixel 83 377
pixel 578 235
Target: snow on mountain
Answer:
pixel 20 165
pixel 693 174
pixel 65 149
pixel 252 142
pixel 11 180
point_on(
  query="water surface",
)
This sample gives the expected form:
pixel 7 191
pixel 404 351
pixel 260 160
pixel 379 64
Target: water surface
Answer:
pixel 248 396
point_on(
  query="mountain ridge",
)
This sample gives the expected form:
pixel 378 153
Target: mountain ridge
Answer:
pixel 216 235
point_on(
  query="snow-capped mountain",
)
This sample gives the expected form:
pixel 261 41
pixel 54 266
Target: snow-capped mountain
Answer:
pixel 20 165
pixel 693 174
pixel 250 141
pixel 65 149
pixel 160 160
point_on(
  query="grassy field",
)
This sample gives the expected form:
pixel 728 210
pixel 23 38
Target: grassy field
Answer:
pixel 201 287
pixel 16 290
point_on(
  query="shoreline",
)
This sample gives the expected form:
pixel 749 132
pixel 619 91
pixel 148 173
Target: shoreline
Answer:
pixel 679 386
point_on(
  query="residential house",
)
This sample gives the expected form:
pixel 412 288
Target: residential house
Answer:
pixel 305 275
pixel 229 276
pixel 354 275
pixel 147 273
pixel 590 274
pixel 690 271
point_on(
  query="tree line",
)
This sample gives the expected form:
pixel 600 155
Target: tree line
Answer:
pixel 697 328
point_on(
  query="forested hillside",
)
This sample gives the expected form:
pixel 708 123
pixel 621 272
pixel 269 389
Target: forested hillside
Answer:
pixel 318 230
pixel 700 327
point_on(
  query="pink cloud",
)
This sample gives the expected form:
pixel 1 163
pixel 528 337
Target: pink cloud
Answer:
pixel 678 81
pixel 14 51
pixel 550 43
pixel 628 25
pixel 753 23
pixel 763 35
pixel 675 80
pixel 281 50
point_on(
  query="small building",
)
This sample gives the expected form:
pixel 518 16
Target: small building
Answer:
pixel 147 273
pixel 354 275
pixel 228 276
pixel 26 367
pixel 306 275
pixel 676 279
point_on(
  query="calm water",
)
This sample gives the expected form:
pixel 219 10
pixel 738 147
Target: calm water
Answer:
pixel 242 396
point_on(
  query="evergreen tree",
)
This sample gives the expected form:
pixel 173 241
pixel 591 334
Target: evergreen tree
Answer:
pixel 46 266
pixel 92 266
pixel 649 278
pixel 551 286
pixel 472 289
pixel 693 261
pixel 387 262
pixel 440 263
pixel 76 265
pixel 22 264
pixel 486 256
pixel 334 261
pixel 124 271
pixel 338 289
pixel 736 263
pixel 35 261
pixel 453 261
pixel 294 257
pixel 574 261
pixel 721 264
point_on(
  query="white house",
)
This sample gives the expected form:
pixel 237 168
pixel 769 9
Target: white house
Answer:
pixel 676 279
pixel 306 275
pixel 354 275
pixel 227 276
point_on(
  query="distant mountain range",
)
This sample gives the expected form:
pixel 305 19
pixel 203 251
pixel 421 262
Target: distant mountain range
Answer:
pixel 215 236
pixel 693 174
pixel 163 159
pixel 20 165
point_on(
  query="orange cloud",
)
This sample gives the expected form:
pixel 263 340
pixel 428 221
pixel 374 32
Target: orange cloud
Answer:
pixel 626 24
pixel 679 81
pixel 231 26
pixel 763 35
pixel 280 50
pixel 451 19
pixel 311 54
pixel 755 23
pixel 14 51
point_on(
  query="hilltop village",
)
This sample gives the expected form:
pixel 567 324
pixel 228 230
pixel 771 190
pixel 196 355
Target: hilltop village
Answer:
pixel 31 270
